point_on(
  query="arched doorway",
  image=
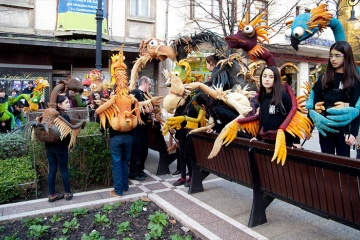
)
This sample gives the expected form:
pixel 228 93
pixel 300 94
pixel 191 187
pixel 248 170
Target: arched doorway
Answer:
pixel 290 71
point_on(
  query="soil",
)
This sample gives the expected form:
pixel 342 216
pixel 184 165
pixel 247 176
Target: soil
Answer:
pixel 87 225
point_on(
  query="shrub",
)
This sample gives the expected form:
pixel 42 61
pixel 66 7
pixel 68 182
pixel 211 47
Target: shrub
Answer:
pixel 13 145
pixel 17 176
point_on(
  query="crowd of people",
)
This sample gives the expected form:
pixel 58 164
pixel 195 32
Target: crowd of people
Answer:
pixel 129 149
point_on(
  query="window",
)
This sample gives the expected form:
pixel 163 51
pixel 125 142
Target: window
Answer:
pixel 140 8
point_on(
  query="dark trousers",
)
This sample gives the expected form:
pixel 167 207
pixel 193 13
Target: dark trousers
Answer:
pixel 120 149
pixel 139 151
pixel 183 153
pixel 334 142
pixel 58 157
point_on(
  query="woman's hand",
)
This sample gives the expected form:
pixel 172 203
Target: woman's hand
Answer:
pixel 296 145
pixel 350 139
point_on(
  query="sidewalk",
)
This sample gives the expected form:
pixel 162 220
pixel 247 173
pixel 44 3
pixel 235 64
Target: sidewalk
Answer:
pixel 220 212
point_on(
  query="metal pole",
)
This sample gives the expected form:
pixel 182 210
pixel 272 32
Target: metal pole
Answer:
pixel 99 17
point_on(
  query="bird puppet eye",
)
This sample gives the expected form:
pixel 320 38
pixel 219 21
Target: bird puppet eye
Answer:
pixel 93 85
pixel 153 43
pixel 248 30
pixel 298 31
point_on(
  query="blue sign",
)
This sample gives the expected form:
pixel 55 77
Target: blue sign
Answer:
pixel 80 6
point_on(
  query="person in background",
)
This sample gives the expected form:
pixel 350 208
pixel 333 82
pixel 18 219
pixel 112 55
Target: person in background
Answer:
pixel 58 157
pixel 340 83
pixel 18 114
pixel 5 125
pixel 14 93
pixel 28 90
pixel 140 144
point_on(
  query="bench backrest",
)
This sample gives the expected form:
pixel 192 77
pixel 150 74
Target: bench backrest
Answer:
pixel 324 184
pixel 327 185
pixel 232 163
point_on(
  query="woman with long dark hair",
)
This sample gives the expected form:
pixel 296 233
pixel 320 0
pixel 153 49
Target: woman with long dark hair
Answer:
pixel 340 83
pixel 57 154
pixel 275 105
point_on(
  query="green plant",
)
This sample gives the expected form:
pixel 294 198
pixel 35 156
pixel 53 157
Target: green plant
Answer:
pixel 73 224
pixel 17 177
pixel 157 222
pixel 2 228
pixel 13 145
pixel 80 212
pixel 34 221
pixel 56 218
pixel 108 208
pixel 101 219
pixel 13 237
pixel 136 208
pixel 178 237
pixel 94 235
pixel 62 238
pixel 123 227
pixel 38 230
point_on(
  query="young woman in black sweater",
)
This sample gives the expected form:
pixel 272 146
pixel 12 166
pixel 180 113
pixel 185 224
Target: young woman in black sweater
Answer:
pixel 275 105
pixel 340 83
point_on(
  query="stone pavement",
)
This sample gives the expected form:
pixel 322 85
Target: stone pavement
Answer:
pixel 220 212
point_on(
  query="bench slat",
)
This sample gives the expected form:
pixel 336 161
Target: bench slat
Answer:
pixel 345 195
pixel 329 192
pixel 293 180
pixel 307 186
pixel 354 193
pixel 299 182
pixel 288 183
pixel 337 194
pixel 314 187
pixel 321 189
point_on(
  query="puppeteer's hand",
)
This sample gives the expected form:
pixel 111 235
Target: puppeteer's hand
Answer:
pixel 350 139
pixel 253 139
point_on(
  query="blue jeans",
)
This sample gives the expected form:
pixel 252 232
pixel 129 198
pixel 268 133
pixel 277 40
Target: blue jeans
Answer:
pixel 58 157
pixel 120 149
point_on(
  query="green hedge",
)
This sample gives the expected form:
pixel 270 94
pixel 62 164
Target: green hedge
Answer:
pixel 17 176
pixel 89 162
pixel 13 145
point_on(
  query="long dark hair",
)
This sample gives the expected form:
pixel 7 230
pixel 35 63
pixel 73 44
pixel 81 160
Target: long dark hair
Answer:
pixel 60 99
pixel 276 89
pixel 207 101
pixel 350 70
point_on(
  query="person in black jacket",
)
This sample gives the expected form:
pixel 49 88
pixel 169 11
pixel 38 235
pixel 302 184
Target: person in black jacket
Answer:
pixel 221 113
pixel 28 90
pixel 340 83
pixel 275 105
pixel 57 154
pixel 140 144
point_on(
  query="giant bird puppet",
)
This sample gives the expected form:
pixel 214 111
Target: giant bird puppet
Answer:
pixel 303 27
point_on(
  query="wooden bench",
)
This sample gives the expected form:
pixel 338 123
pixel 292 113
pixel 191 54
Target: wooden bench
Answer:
pixel 157 143
pixel 322 184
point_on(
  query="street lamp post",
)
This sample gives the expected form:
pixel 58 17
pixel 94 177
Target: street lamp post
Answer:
pixel 99 18
pixel 352 3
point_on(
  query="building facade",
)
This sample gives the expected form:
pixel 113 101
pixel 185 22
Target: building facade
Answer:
pixel 55 38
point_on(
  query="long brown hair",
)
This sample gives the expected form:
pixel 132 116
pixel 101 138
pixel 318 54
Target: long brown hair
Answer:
pixel 276 89
pixel 350 70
